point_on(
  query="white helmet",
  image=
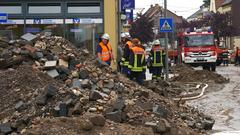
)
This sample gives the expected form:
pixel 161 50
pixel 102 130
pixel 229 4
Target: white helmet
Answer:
pixel 127 35
pixel 123 35
pixel 105 36
pixel 156 42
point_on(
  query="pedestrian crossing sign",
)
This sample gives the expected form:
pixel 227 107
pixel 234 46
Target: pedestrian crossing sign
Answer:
pixel 166 25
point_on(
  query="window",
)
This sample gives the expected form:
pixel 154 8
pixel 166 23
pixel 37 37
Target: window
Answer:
pixel 45 8
pixel 199 40
pixel 83 7
pixel 11 8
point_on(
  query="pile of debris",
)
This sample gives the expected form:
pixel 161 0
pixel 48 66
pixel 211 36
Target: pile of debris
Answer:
pixel 82 96
pixel 188 74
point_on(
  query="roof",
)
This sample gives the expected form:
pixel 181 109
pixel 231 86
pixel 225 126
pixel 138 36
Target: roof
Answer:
pixel 226 2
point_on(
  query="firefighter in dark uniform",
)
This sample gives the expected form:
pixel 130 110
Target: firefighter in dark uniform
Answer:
pixel 126 53
pixel 137 64
pixel 157 58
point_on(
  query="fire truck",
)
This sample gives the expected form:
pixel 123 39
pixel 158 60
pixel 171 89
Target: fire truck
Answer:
pixel 198 48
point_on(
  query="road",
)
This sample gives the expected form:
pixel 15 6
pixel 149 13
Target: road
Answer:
pixel 222 101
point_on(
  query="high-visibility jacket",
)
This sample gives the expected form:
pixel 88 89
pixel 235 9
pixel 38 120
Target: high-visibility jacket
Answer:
pixel 125 58
pixel 106 51
pixel 137 59
pixel 157 56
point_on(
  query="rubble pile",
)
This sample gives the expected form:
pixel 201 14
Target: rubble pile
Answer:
pixel 83 96
pixel 188 74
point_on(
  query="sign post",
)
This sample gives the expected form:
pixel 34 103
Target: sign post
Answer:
pixel 166 25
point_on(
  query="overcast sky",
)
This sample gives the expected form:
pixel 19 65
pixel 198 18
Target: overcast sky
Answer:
pixel 183 8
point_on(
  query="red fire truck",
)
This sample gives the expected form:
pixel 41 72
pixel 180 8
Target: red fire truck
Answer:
pixel 198 49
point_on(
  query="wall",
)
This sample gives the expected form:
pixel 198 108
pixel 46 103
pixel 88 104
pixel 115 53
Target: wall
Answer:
pixel 111 23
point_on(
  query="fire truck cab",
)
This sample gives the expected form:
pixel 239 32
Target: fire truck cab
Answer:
pixel 198 49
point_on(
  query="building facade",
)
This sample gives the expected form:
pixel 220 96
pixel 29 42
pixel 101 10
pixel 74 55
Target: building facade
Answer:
pixel 80 21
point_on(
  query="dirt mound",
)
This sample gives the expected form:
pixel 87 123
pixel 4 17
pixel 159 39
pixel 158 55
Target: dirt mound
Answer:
pixel 188 74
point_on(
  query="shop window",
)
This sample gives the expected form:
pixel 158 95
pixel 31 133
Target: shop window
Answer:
pixel 84 8
pixel 45 8
pixel 11 8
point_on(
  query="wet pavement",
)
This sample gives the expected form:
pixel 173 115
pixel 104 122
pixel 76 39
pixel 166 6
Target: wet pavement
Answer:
pixel 222 101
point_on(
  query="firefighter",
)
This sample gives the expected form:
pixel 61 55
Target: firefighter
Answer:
pixel 104 50
pixel 137 64
pixel 127 43
pixel 225 57
pixel 157 57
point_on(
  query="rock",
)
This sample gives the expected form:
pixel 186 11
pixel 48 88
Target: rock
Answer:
pixel 63 63
pixel 191 124
pixel 50 91
pixel 163 126
pixel 53 73
pixel 75 74
pixel 100 108
pixel 208 124
pixel 76 83
pixel 106 90
pixel 28 36
pixel 115 116
pixel 69 102
pixel 84 100
pixel 199 125
pixel 77 110
pixel 160 111
pixel 20 106
pixel 86 125
pixel 119 104
pixel 86 84
pixel 109 85
pixel 98 120
pixel 83 74
pixel 146 106
pixel 95 95
pixel 5 128
pixel 41 100
pixel 63 110
pixel 39 55
pixel 151 124
pixel 93 109
pixel 49 64
pixel 183 116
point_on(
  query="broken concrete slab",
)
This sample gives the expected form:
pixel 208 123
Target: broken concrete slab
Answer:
pixel 53 73
pixel 28 36
pixel 20 106
pixel 50 64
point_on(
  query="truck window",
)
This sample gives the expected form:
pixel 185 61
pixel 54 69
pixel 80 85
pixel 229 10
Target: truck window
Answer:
pixel 199 40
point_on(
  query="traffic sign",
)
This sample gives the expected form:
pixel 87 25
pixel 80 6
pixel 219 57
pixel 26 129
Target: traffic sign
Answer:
pixel 3 17
pixel 166 25
pixel 127 4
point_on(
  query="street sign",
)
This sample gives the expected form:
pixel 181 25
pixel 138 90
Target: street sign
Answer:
pixel 127 4
pixel 3 17
pixel 166 25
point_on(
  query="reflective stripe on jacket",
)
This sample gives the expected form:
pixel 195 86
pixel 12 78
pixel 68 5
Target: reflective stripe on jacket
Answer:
pixel 125 57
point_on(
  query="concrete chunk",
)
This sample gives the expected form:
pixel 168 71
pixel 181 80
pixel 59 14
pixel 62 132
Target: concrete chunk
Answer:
pixel 53 73
pixel 50 64
pixel 28 36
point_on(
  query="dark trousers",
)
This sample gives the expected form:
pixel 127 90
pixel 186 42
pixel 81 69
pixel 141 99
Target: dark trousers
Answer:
pixel 138 76
pixel 125 71
pixel 156 72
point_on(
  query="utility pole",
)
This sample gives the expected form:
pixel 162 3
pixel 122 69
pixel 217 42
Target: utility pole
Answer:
pixel 166 44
